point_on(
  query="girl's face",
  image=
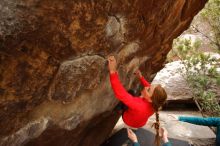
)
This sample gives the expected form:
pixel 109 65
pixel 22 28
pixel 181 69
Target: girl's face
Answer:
pixel 147 92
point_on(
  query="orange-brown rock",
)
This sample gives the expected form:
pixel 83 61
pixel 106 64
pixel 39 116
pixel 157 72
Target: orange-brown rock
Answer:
pixel 54 86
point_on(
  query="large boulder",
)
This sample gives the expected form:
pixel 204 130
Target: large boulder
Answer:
pixel 54 86
pixel 171 78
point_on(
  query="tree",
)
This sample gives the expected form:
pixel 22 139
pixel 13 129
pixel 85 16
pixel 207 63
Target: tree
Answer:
pixel 211 15
pixel 200 72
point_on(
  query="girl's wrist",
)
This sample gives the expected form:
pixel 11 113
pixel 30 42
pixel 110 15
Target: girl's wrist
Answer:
pixel 112 71
pixel 135 141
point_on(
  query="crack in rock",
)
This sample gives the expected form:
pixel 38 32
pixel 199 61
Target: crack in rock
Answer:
pixel 72 122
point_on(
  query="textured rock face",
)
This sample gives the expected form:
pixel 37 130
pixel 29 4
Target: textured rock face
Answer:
pixel 54 86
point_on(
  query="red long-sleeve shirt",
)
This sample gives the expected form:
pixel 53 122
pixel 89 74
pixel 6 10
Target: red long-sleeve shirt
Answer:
pixel 139 109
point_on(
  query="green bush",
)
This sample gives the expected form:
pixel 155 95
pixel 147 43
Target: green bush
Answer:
pixel 211 14
pixel 200 73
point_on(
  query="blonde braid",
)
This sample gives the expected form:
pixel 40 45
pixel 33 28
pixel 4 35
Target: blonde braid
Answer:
pixel 156 125
pixel 158 98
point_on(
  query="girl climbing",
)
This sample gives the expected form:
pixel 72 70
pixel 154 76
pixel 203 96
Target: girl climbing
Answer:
pixel 139 109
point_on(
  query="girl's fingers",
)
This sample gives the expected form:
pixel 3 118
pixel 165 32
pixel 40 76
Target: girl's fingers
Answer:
pixel 129 130
pixel 111 59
